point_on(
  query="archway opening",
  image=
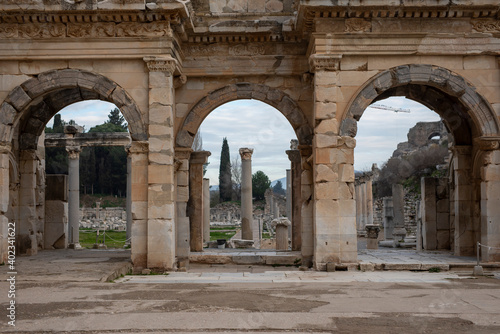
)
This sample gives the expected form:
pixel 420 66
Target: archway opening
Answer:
pixel 468 118
pixel 251 124
pixel 44 97
pixel 100 132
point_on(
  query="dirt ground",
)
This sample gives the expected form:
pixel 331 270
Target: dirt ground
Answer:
pixel 63 299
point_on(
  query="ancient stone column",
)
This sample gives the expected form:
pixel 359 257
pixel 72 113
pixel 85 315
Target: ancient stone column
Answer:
pixel 388 217
pixel 128 208
pixel 364 216
pixel 289 194
pixel 138 152
pixel 161 183
pixel 398 202
pixel 246 194
pixel 276 210
pixel 281 226
pixel 359 210
pixel 294 157
pixel 74 196
pixel 183 235
pixel 464 230
pixel 206 210
pixel 369 201
pixel 372 236
pixel 195 203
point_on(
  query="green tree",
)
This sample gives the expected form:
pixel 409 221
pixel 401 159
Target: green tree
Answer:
pixel 115 117
pixel 225 183
pixel 56 158
pixel 260 183
pixel 278 188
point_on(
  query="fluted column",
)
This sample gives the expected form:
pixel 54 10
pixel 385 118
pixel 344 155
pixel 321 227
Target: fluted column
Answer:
pixel 246 194
pixel 74 196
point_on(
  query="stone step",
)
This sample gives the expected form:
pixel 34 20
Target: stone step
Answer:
pixel 250 258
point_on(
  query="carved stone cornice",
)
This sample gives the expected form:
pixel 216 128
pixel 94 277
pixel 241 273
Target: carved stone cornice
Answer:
pixel 357 25
pixel 85 30
pixel 487 143
pixel 486 25
pixel 246 153
pixel 73 152
pixel 166 64
pixel 180 80
pixel 324 62
pixel 137 147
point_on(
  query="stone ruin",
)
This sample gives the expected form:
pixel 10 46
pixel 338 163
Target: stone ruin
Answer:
pixel 425 220
pixel 320 63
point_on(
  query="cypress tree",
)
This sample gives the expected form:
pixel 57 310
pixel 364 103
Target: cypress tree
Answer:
pixel 225 184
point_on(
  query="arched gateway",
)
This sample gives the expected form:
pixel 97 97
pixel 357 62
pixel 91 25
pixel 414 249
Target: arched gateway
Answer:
pixel 166 65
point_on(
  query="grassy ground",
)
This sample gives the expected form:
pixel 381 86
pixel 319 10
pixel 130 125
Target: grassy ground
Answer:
pixel 214 235
pixel 87 240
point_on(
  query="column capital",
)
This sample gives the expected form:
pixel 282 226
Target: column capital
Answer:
pixel 73 152
pixel 487 143
pixel 293 155
pixel 166 64
pixel 137 147
pixel 246 153
pixel 324 62
pixel 199 157
pixel 183 153
pixel 462 149
pixel 5 148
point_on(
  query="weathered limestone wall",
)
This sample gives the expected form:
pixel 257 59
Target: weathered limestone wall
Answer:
pixel 334 212
pixel 161 184
pixel 131 74
pixel 490 207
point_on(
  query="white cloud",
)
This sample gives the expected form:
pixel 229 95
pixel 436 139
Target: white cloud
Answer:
pixel 89 113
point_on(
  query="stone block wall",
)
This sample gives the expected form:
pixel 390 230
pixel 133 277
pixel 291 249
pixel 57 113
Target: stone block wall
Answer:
pixel 435 213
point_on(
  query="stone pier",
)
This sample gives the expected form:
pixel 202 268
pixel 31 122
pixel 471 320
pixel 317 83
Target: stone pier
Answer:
pixel 195 203
pixel 128 208
pixel 246 194
pixel 398 202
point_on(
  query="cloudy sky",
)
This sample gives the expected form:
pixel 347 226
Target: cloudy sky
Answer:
pixel 251 123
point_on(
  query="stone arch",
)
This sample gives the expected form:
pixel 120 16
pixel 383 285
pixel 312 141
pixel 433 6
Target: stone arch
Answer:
pixel 33 103
pixel 274 97
pixel 466 113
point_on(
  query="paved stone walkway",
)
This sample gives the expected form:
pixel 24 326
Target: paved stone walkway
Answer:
pixel 292 277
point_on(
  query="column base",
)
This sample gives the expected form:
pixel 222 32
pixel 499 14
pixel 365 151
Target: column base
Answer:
pixel 75 246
